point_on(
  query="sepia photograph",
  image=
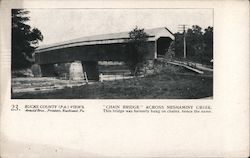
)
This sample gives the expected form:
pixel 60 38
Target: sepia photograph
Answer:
pixel 112 53
pixel 108 78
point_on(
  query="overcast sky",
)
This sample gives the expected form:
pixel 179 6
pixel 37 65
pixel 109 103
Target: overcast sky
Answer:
pixel 59 25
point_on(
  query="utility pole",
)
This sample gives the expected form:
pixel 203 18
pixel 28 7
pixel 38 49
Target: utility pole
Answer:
pixel 183 27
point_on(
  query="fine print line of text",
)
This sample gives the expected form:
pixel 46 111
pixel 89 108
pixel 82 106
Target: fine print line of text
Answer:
pixel 116 108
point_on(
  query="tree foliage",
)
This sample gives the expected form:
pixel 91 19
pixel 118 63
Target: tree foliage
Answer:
pixel 208 41
pixel 24 40
pixel 136 48
pixel 199 45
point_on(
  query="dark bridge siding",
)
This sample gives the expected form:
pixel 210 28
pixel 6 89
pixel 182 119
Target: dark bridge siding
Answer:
pixel 108 47
pixel 104 52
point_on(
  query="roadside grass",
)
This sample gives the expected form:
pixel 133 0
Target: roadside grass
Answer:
pixel 165 85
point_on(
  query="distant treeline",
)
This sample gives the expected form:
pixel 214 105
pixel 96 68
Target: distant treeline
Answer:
pixel 199 44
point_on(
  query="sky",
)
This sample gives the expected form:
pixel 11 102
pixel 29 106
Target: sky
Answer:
pixel 59 25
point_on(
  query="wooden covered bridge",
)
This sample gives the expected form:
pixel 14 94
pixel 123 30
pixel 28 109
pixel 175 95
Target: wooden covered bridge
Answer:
pixel 107 47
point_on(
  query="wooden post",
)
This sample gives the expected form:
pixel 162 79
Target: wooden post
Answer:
pixel 86 78
pixel 101 77
pixel 155 53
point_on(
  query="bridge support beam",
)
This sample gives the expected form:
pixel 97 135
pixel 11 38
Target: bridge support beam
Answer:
pixel 91 68
pixel 48 70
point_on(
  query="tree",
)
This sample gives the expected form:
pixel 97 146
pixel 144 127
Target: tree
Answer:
pixel 136 49
pixel 171 51
pixel 199 45
pixel 208 41
pixel 178 45
pixel 24 40
pixel 195 45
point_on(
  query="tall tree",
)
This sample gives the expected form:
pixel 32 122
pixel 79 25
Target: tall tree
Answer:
pixel 178 45
pixel 136 48
pixel 208 41
pixel 24 40
pixel 195 45
pixel 199 45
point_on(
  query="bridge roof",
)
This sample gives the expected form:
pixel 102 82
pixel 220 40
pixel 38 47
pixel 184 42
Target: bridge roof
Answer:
pixel 111 38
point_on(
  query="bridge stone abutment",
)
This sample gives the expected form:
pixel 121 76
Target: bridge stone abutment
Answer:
pixel 76 71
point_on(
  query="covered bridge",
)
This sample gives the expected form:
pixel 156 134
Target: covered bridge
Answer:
pixel 107 47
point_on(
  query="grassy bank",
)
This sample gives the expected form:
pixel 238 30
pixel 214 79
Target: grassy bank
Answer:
pixel 158 86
